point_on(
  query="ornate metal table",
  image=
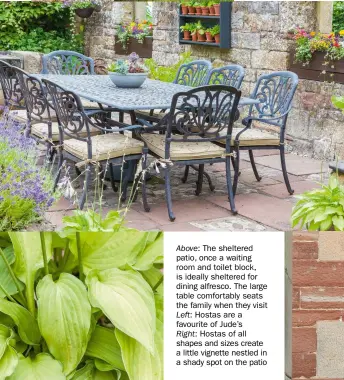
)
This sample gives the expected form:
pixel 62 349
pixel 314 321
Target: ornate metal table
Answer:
pixel 98 88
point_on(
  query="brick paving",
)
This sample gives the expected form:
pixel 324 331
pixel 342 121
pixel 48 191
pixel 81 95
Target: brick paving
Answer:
pixel 262 206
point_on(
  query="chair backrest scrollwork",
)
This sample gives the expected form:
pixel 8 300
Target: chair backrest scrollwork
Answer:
pixel 13 94
pixel 231 75
pixel 193 74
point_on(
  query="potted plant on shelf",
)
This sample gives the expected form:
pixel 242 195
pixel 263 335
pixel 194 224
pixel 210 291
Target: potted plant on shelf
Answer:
pixel 129 73
pixel 208 35
pixel 191 7
pixel 217 8
pixel 205 9
pixel 215 32
pixel 193 29
pixel 186 29
pixel 184 7
pixel 83 8
pixel 200 32
pixel 198 7
pixel 211 8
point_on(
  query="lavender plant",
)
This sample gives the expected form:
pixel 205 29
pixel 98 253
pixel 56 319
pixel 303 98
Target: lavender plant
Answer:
pixel 25 189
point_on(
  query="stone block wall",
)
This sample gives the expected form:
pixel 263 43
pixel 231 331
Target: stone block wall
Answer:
pixel 318 306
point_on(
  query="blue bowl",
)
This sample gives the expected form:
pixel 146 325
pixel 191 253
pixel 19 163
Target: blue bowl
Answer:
pixel 134 80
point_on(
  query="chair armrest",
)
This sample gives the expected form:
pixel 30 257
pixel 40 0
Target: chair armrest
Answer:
pixel 248 120
pixel 147 126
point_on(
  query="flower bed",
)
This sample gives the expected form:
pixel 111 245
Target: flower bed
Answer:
pixel 25 190
pixel 318 56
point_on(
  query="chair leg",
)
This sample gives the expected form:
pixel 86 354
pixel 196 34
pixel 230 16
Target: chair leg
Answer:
pixel 230 189
pixel 186 174
pixel 236 166
pixel 168 193
pixel 86 183
pixel 112 178
pixel 253 164
pixel 284 170
pixel 144 175
pixel 129 173
pixel 199 182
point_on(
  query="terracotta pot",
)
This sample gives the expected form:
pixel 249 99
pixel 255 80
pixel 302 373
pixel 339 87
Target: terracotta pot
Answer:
pixel 212 10
pixel 205 11
pixel 187 35
pixel 194 36
pixel 200 37
pixel 217 9
pixel 198 10
pixel 192 10
pixel 84 12
pixel 217 38
pixel 209 37
pixel 184 9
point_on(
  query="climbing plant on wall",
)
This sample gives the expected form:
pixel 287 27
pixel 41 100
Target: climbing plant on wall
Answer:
pixel 338 16
pixel 37 26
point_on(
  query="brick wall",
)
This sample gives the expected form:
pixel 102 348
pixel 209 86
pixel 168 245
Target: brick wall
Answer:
pixel 318 306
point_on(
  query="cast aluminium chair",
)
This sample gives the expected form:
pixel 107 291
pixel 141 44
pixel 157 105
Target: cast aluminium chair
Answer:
pixel 275 92
pixel 12 92
pixel 91 149
pixel 197 118
pixel 231 75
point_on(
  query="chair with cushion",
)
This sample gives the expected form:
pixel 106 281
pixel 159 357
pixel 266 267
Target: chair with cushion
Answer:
pixel 86 149
pixel 275 92
pixel 231 75
pixel 197 118
pixel 12 93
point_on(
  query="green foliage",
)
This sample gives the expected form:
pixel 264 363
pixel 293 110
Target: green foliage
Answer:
pixel 338 102
pixel 166 73
pixel 36 26
pixel 338 16
pixel 321 209
pixel 214 30
pixel 95 310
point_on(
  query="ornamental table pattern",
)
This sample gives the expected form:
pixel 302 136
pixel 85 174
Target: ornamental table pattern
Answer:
pixel 152 95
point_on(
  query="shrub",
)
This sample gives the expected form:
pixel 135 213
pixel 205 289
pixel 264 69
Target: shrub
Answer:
pixel 81 305
pixel 338 16
pixel 25 190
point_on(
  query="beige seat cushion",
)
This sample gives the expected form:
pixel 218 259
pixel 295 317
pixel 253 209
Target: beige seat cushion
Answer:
pixel 89 105
pixel 41 130
pixel 183 150
pixel 104 147
pixel 253 137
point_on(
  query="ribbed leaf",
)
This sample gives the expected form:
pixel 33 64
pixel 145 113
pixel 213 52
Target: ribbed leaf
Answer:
pixel 42 367
pixel 8 355
pixel 153 276
pixel 152 253
pixel 84 373
pixel 127 300
pixel 98 375
pixel 103 345
pixel 139 363
pixel 103 250
pixel 64 318
pixel 26 323
pixel 6 281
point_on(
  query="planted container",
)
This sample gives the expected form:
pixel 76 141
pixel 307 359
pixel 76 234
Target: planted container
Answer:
pixel 84 12
pixel 217 9
pixel 205 11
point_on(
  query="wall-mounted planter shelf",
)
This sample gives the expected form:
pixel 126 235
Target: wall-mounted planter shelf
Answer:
pixel 224 20
pixel 144 50
pixel 316 70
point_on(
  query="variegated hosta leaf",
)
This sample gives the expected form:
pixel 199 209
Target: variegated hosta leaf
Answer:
pixel 29 257
pixel 64 318
pixel 8 355
pixel 153 252
pixel 103 250
pixel 6 281
pixel 27 326
pixel 42 367
pixel 103 345
pixel 153 276
pixel 139 363
pixel 127 300
pixel 84 373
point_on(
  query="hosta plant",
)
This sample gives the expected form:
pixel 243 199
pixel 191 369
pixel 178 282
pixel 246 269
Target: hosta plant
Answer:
pixel 81 306
pixel 321 209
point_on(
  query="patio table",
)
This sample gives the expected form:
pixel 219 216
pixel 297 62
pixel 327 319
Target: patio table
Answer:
pixel 153 94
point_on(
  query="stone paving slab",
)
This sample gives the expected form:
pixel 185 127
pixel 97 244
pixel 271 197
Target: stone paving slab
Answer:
pixel 295 164
pixel 280 190
pixel 232 223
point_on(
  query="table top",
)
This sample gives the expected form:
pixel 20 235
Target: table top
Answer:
pixel 99 88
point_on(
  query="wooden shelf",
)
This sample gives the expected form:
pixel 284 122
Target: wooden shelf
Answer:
pixel 224 20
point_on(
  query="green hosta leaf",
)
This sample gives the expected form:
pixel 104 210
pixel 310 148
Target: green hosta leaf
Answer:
pixel 84 373
pixel 6 280
pixel 152 253
pixel 326 224
pixel 103 250
pixel 99 375
pixel 103 345
pixel 26 323
pixel 152 276
pixel 29 257
pixel 42 367
pixel 8 362
pixel 338 102
pixel 127 300
pixel 6 335
pixel 338 222
pixel 64 318
pixel 103 366
pixel 140 363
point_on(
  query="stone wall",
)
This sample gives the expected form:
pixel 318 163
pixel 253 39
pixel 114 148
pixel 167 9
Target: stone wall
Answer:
pixel 318 306
pixel 260 44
